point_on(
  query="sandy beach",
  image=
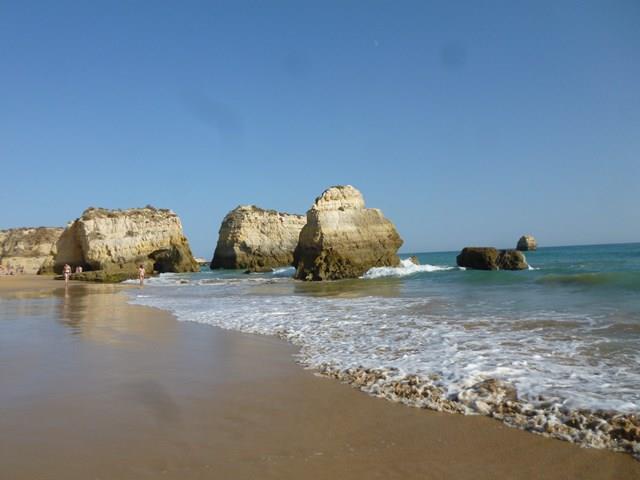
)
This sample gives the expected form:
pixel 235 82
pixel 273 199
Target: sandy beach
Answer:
pixel 91 387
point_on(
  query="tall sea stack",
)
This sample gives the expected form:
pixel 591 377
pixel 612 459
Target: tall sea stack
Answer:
pixel 343 239
pixel 257 240
pixel 527 243
pixel 114 242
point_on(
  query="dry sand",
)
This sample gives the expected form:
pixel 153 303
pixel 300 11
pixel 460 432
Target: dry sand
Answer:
pixel 93 388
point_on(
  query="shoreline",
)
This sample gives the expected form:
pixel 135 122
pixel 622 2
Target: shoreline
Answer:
pixel 599 426
pixel 493 398
pixel 192 401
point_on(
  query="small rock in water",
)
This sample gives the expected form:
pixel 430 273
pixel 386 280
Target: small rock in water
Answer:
pixel 527 243
pixel 489 258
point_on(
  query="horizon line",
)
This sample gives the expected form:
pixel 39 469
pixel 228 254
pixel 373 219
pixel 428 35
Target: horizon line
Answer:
pixel 539 248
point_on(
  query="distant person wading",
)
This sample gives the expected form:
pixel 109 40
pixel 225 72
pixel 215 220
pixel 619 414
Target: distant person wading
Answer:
pixel 141 274
pixel 67 273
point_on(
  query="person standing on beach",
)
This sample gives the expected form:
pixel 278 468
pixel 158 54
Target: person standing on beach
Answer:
pixel 66 270
pixel 141 274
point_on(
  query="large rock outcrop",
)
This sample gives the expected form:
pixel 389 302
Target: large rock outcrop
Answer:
pixel 114 242
pixel 28 249
pixel 343 239
pixel 526 243
pixel 489 258
pixel 257 240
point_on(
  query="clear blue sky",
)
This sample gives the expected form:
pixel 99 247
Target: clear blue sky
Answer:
pixel 466 124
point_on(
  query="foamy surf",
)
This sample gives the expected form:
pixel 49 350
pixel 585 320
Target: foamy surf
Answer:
pixel 532 350
pixel 385 348
pixel 284 271
pixel 161 279
pixel 407 267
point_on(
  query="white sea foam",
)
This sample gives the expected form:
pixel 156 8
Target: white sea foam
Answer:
pixel 162 279
pixel 407 267
pixel 551 354
pixel 284 271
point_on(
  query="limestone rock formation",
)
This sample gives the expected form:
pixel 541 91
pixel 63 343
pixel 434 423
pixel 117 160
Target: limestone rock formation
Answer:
pixel 343 239
pixel 28 249
pixel 489 258
pixel 257 240
pixel 526 243
pixel 103 276
pixel 512 260
pixel 116 241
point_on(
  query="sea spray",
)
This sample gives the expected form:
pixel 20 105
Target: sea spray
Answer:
pixel 406 267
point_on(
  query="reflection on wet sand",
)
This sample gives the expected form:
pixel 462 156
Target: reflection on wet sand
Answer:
pixel 93 312
pixel 91 387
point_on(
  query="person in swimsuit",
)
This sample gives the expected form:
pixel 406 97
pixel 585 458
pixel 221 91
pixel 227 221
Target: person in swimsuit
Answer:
pixel 141 274
pixel 67 273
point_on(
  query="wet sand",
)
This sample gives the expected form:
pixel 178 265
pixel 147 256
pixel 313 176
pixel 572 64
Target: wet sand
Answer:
pixel 91 387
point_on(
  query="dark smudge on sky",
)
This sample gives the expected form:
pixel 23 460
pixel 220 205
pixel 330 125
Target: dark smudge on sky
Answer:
pixel 296 64
pixel 453 56
pixel 219 115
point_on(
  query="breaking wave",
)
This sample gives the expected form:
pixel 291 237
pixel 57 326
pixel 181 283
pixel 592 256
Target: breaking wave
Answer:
pixel 407 267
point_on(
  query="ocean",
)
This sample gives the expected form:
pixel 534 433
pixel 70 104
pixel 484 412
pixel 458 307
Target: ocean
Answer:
pixel 561 340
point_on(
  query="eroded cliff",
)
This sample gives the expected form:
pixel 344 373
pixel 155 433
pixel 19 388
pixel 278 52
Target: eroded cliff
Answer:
pixel 116 241
pixel 256 239
pixel 28 249
pixel 343 239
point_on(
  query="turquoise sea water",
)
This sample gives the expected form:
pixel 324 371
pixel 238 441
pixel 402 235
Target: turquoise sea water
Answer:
pixel 601 283
pixel 566 331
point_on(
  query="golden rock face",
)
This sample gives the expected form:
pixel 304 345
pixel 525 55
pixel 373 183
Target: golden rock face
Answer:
pixel 526 243
pixel 28 249
pixel 343 239
pixel 256 239
pixel 118 240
